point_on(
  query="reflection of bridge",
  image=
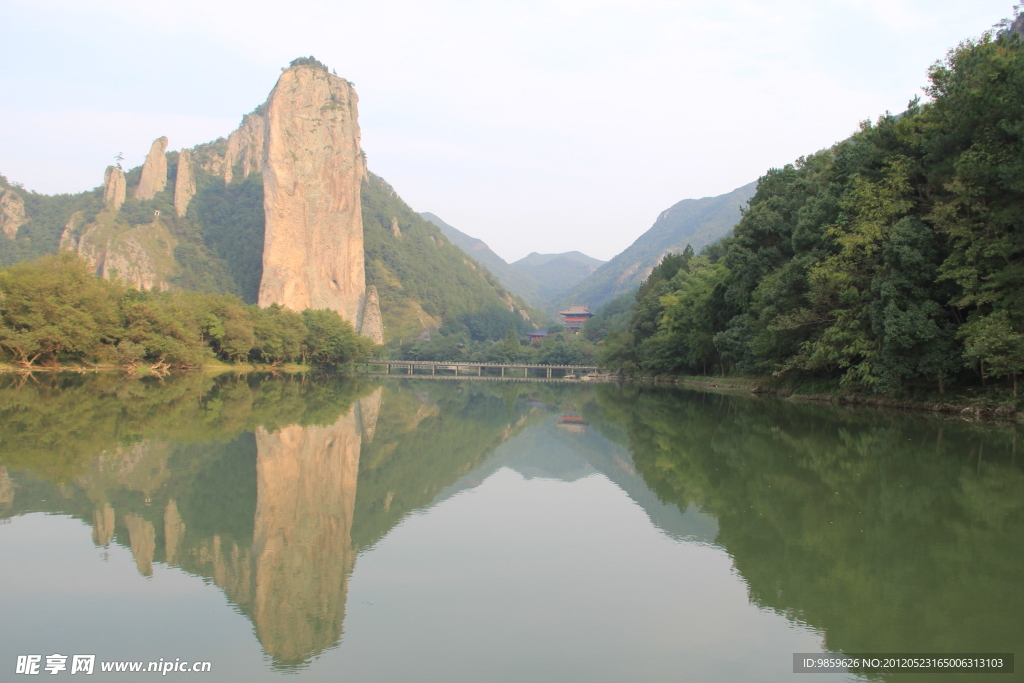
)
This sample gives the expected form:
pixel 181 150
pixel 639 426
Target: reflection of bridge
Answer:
pixel 478 370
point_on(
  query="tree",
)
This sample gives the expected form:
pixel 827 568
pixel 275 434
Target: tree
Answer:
pixel 330 339
pixel 279 334
pixel 996 343
pixel 56 308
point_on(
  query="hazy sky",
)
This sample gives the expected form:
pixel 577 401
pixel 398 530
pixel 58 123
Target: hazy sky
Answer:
pixel 536 126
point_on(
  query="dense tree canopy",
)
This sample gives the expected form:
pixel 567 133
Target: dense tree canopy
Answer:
pixel 55 310
pixel 894 258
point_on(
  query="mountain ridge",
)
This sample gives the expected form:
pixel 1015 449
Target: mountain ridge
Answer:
pixel 537 278
pixel 697 222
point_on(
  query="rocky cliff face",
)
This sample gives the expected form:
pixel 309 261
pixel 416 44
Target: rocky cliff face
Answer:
pixel 12 213
pixel 184 183
pixel 142 256
pixel 114 188
pixel 245 148
pixel 154 171
pixel 312 170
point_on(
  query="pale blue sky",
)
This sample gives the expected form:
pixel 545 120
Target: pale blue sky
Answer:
pixel 536 126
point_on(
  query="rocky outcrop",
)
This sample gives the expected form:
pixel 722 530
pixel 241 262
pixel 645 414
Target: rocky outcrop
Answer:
pixel 395 230
pixel 12 213
pixel 184 183
pixel 154 171
pixel 373 324
pixel 69 238
pixel 245 148
pixel 312 171
pixel 114 188
pixel 142 257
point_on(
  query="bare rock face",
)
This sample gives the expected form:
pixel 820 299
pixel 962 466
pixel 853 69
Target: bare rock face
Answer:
pixel 312 170
pixel 154 171
pixel 373 324
pixel 142 256
pixel 12 213
pixel 245 148
pixel 395 230
pixel 114 188
pixel 69 238
pixel 184 183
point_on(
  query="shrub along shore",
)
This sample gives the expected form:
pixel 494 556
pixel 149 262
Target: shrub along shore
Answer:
pixel 55 313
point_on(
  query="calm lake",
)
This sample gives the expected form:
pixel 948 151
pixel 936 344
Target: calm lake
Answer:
pixel 339 529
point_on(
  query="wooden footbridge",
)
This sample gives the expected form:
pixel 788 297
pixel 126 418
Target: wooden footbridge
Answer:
pixel 421 368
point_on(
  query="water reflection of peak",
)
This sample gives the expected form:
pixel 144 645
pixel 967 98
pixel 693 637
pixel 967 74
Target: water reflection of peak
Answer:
pixel 548 451
pixel 254 482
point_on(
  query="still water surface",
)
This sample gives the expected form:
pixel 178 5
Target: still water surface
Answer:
pixel 337 529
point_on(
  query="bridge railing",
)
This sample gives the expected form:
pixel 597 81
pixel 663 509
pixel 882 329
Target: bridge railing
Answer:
pixel 567 371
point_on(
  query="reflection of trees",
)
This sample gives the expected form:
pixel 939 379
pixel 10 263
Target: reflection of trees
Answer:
pixel 891 532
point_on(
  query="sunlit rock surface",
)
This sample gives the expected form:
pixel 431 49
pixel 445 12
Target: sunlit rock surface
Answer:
pixel 154 171
pixel 312 171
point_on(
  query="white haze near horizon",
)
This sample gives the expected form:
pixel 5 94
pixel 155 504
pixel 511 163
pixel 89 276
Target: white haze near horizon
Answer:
pixel 535 126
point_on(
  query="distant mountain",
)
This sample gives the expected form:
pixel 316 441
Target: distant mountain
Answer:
pixel 697 222
pixel 556 273
pixel 511 278
pixel 540 279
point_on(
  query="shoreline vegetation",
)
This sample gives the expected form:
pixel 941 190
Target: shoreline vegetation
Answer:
pixel 991 403
pixel 54 311
pixel 968 403
pixel 887 270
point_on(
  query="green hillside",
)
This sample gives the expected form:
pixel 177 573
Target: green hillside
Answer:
pixel 509 277
pixel 423 279
pixel 697 222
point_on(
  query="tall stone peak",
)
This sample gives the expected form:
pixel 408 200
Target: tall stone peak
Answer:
pixel 184 182
pixel 373 324
pixel 12 213
pixel 114 188
pixel 154 171
pixel 313 167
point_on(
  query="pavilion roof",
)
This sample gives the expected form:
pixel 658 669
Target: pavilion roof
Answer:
pixel 576 309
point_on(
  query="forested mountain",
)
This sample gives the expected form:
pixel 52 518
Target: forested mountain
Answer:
pixel 539 278
pixel 697 222
pixel 894 259
pixel 555 274
pixel 422 278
